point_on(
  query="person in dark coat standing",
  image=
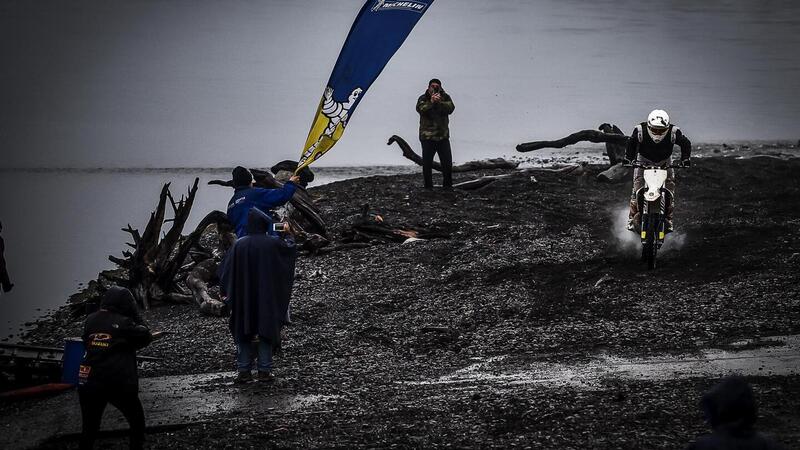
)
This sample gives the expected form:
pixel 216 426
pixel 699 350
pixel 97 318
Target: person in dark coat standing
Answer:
pixel 109 374
pixel 257 276
pixel 5 281
pixel 730 409
pixel 434 108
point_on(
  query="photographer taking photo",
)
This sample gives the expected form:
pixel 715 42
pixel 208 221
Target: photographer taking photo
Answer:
pixel 434 107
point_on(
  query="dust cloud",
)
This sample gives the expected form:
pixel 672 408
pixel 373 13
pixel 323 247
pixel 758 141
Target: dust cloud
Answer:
pixel 627 242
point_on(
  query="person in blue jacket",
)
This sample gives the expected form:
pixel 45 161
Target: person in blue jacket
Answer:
pixel 247 196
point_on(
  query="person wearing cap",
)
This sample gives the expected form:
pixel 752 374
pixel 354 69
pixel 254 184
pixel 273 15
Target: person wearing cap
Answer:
pixel 256 280
pixel 434 108
pixel 247 196
pixel 652 141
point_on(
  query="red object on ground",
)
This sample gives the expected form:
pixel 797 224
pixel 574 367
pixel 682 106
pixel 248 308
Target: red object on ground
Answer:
pixel 35 391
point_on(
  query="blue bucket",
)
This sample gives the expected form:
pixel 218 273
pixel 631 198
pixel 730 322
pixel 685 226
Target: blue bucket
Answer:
pixel 73 357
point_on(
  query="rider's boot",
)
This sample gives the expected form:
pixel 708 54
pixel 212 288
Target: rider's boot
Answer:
pixel 670 210
pixel 633 215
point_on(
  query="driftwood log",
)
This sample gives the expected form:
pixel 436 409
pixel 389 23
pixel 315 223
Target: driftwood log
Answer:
pixel 306 175
pixel 614 150
pixel 155 262
pixel 616 143
pixel 204 272
pixel 366 227
pixel 614 173
pixel 471 166
pixel 478 183
pixel 198 280
pixel 579 136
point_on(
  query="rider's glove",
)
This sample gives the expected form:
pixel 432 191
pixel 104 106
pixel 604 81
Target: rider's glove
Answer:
pixel 686 162
pixel 626 162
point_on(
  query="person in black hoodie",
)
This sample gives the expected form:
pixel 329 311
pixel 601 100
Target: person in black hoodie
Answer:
pixel 256 276
pixel 109 374
pixel 730 409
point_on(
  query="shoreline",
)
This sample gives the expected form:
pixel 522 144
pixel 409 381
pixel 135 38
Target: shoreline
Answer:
pixel 532 273
pixel 716 147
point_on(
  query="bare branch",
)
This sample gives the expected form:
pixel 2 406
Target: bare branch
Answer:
pixel 470 166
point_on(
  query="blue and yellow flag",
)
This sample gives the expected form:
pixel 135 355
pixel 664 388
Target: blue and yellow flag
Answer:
pixel 378 31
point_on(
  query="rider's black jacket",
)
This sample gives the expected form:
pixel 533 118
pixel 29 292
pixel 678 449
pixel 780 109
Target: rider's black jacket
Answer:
pixel 111 336
pixel 641 143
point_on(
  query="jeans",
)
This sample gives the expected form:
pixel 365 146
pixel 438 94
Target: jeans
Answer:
pixel 245 350
pixel 93 402
pixel 431 148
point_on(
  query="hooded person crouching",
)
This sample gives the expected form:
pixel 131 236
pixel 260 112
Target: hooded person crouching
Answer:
pixel 109 374
pixel 730 409
pixel 257 277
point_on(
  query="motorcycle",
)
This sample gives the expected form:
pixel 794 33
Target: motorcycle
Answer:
pixel 652 200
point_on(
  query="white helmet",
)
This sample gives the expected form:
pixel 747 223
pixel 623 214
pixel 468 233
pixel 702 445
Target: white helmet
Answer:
pixel 658 119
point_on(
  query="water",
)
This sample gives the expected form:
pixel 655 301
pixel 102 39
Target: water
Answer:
pixel 215 84
pixel 60 226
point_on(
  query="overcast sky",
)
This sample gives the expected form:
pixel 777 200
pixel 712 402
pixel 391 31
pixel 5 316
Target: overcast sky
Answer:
pixel 215 84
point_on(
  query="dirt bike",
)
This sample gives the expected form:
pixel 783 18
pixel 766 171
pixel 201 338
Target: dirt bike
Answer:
pixel 652 198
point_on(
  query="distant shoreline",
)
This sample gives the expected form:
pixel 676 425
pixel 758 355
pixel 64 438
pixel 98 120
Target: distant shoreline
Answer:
pixel 700 147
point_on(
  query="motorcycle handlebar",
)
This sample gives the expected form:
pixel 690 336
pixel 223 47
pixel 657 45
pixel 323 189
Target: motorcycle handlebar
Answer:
pixel 636 164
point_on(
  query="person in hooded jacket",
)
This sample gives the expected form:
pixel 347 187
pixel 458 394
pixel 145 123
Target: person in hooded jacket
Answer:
pixel 112 335
pixel 256 277
pixel 248 196
pixel 730 409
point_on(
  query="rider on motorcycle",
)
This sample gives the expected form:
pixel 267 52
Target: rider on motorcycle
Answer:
pixel 652 141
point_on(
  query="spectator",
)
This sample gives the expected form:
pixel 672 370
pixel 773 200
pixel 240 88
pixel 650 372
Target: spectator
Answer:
pixel 247 196
pixel 730 409
pixel 256 278
pixel 109 374
pixel 434 108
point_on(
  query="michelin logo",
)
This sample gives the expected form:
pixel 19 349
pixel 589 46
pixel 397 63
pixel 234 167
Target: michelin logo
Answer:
pixel 385 5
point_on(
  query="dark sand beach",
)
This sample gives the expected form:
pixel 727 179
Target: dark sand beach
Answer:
pixel 523 328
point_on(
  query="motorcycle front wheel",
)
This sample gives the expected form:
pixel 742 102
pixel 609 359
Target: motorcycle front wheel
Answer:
pixel 652 251
pixel 650 246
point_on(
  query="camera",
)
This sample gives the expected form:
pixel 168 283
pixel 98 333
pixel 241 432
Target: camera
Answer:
pixel 279 227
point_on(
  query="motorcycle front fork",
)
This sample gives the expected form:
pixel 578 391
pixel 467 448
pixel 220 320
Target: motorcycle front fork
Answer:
pixel 653 213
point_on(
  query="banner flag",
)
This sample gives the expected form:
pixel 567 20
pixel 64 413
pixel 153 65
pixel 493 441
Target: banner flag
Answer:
pixel 378 31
